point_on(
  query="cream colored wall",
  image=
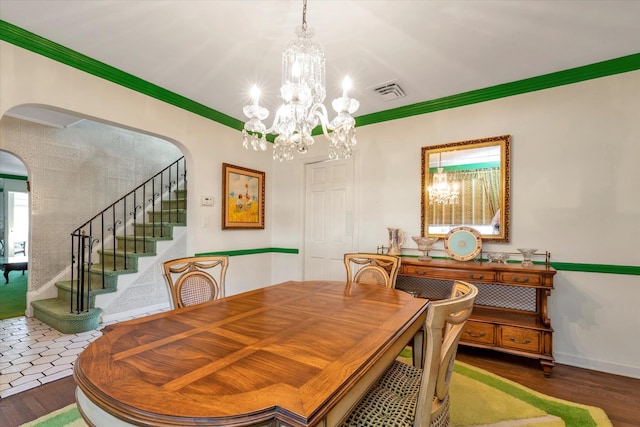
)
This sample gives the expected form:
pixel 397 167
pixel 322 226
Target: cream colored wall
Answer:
pixel 27 78
pixel 575 193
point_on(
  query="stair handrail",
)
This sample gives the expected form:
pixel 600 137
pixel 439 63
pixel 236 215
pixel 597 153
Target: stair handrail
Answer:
pixel 85 240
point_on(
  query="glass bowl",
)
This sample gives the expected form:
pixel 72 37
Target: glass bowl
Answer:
pixel 498 257
pixel 527 255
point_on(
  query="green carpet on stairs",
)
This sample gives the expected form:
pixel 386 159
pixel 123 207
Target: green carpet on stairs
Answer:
pixel 13 295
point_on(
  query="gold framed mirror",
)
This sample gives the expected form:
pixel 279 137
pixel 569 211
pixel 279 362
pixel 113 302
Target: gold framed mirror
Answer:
pixel 467 183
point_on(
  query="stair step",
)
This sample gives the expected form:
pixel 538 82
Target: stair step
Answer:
pixel 137 244
pixel 174 217
pixel 56 313
pixel 108 256
pixel 110 276
pixel 64 289
pixel 158 231
pixel 110 272
pixel 174 203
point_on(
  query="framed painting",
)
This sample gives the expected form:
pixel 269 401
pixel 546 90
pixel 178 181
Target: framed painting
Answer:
pixel 242 197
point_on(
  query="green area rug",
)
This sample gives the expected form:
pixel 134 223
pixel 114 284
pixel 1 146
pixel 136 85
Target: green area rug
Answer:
pixel 13 295
pixel 478 398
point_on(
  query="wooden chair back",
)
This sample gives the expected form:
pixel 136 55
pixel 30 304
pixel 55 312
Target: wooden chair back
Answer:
pixel 192 280
pixel 408 396
pixel 376 269
pixel 444 325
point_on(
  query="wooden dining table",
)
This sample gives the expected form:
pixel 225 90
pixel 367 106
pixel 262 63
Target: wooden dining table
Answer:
pixel 291 354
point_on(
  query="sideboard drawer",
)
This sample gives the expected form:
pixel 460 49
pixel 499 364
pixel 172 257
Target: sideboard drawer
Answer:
pixel 414 270
pixel 524 278
pixel 478 332
pixel 520 338
pixel 453 274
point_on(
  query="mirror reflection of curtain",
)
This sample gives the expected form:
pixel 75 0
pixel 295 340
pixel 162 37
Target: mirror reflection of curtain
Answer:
pixel 479 198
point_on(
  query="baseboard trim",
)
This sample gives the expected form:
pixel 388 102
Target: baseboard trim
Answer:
pixel 607 366
pixel 127 315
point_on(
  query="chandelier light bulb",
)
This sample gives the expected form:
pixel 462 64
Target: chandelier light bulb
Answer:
pixel 255 94
pixel 295 72
pixel 346 85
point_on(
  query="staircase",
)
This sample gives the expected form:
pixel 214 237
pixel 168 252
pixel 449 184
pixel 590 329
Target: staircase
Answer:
pixel 118 246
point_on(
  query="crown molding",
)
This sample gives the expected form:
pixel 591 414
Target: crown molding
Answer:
pixel 573 75
pixel 34 43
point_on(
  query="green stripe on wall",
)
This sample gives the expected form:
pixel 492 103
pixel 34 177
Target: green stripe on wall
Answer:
pixel 597 268
pixel 560 266
pixel 34 43
pixel 250 252
pixel 16 177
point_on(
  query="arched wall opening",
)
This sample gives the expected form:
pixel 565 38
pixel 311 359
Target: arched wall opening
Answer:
pixel 79 165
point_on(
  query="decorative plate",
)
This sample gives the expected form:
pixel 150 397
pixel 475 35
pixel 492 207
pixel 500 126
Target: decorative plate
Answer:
pixel 463 243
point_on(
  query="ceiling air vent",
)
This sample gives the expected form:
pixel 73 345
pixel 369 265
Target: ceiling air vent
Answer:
pixel 389 91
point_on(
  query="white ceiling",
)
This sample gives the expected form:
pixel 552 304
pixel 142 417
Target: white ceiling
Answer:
pixel 212 51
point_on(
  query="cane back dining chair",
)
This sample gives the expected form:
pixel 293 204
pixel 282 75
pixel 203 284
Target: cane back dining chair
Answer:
pixel 406 396
pixel 192 280
pixel 374 269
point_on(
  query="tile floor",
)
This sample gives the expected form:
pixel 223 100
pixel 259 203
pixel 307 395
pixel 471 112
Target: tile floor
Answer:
pixel 33 353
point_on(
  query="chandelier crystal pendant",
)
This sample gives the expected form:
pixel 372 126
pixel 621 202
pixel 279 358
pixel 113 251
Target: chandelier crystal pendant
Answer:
pixel 303 93
pixel 440 191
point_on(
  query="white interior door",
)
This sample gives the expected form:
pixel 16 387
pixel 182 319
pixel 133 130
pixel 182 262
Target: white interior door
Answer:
pixel 328 218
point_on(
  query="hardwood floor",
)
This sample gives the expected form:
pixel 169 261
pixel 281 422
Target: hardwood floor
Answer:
pixel 36 402
pixel 618 396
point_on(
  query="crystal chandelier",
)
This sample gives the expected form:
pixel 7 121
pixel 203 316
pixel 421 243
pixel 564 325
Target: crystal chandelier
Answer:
pixel 440 191
pixel 303 93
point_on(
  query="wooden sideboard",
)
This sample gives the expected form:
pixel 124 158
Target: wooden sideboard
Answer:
pixel 510 312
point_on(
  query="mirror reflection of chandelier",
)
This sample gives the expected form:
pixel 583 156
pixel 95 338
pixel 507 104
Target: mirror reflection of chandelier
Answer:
pixel 440 191
pixel 303 93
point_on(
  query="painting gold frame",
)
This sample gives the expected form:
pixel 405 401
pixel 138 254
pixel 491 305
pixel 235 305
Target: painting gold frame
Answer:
pixel 243 198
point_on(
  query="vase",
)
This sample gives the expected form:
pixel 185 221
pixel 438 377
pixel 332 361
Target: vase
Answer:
pixel 396 240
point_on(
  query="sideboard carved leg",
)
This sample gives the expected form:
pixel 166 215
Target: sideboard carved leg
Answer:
pixel 547 365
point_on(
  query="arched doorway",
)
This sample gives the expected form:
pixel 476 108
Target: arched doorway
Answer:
pixel 14 235
pixel 77 166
